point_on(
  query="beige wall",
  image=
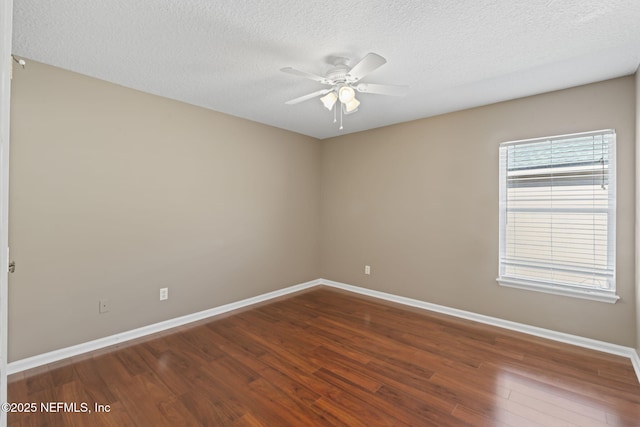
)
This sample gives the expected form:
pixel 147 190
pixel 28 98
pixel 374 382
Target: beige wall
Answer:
pixel 117 193
pixel 419 203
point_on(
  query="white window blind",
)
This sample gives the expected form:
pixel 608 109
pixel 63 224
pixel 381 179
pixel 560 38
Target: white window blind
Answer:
pixel 557 214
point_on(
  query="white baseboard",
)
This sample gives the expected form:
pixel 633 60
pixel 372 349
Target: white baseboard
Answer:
pixel 75 350
pixel 53 356
pixel 635 361
pixel 605 347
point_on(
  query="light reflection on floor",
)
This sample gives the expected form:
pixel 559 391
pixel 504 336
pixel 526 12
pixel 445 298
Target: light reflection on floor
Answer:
pixel 531 402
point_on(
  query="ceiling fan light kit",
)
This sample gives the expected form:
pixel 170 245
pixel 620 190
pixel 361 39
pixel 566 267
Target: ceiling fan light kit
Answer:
pixel 342 80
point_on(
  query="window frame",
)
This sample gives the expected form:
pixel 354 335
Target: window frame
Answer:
pixel 577 291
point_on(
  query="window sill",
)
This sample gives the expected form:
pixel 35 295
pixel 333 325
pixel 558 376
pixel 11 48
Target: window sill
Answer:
pixel 594 295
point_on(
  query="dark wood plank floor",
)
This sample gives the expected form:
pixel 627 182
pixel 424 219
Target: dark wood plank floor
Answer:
pixel 327 357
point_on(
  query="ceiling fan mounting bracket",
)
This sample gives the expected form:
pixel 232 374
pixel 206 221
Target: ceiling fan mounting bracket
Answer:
pixel 340 61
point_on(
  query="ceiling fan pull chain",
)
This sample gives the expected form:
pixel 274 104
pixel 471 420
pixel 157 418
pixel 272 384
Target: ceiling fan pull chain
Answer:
pixel 340 116
pixel 335 109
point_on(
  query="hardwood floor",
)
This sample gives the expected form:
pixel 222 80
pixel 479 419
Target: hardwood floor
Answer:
pixel 326 357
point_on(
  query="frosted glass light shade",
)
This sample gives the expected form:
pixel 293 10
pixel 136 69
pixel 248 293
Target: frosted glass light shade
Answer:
pixel 329 100
pixel 351 106
pixel 346 94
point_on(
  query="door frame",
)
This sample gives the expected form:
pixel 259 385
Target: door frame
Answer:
pixel 6 14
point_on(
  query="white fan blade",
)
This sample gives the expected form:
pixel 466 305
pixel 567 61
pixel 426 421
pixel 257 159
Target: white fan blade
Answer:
pixel 304 74
pixel 382 89
pixel 369 63
pixel 308 96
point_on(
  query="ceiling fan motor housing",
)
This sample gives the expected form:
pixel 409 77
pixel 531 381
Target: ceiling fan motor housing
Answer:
pixel 338 75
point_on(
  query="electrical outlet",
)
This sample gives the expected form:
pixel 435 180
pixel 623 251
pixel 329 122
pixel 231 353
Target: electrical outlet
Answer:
pixel 103 306
pixel 164 294
pixel 367 269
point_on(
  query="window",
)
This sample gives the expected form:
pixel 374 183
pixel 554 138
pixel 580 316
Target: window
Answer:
pixel 557 215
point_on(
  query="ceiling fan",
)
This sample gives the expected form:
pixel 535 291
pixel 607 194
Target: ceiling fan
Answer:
pixel 344 82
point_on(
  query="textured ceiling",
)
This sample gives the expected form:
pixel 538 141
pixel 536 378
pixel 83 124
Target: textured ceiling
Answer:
pixel 225 55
